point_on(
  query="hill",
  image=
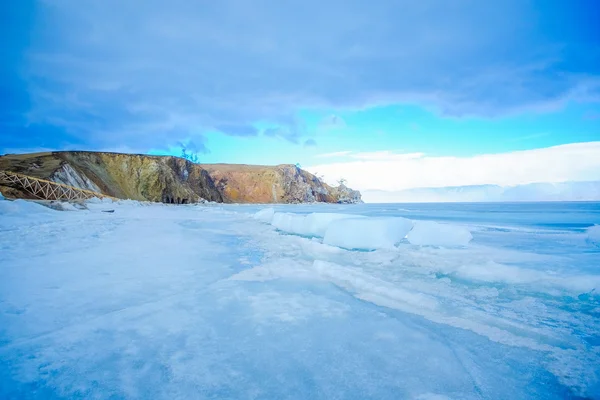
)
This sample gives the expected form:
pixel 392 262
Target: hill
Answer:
pixel 174 180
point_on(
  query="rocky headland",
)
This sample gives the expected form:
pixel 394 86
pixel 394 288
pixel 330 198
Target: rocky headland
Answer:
pixel 170 179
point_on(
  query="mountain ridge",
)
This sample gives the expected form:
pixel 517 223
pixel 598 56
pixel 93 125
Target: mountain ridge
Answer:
pixel 536 191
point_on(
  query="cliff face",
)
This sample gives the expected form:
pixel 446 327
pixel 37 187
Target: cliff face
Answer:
pixel 173 179
pixel 263 184
pixel 125 176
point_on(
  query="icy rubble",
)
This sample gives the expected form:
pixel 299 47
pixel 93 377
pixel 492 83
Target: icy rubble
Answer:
pixel 351 231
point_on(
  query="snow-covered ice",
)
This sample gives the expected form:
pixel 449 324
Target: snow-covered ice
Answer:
pixel 454 301
pixel 435 234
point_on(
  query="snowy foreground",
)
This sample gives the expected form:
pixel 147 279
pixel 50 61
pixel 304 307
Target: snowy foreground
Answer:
pixel 183 302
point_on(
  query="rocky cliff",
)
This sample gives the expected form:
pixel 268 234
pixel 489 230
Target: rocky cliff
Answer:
pixel 173 179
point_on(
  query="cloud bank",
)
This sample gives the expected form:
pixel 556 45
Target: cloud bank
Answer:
pixel 389 171
pixel 564 191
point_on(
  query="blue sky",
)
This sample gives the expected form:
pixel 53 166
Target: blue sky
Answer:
pixel 323 84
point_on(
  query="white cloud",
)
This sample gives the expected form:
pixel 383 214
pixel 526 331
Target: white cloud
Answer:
pixel 385 155
pixel 392 172
pixel 334 154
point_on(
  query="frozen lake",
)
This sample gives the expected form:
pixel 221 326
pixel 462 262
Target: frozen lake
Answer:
pixel 495 301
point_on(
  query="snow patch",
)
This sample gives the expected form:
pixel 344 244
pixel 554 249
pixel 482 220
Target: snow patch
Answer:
pixel 367 233
pixel 429 233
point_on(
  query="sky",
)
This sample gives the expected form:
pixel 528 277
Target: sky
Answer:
pixel 388 95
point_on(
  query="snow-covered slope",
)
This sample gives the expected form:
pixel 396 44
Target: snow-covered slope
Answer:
pixel 223 301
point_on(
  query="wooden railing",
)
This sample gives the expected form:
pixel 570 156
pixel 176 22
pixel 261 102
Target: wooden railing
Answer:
pixel 47 190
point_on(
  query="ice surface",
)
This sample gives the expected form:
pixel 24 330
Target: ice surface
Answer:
pixel 367 233
pixel 208 301
pixel 435 234
pixel 366 287
pixel 21 208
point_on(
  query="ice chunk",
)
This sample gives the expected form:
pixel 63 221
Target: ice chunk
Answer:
pixel 593 233
pixel 314 224
pixel 367 233
pixel 265 215
pixel 434 234
pixel 1 197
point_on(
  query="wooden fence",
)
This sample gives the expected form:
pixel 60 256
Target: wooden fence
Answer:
pixel 47 190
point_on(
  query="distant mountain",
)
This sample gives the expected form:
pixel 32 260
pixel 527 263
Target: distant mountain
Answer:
pixel 565 191
pixel 173 179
